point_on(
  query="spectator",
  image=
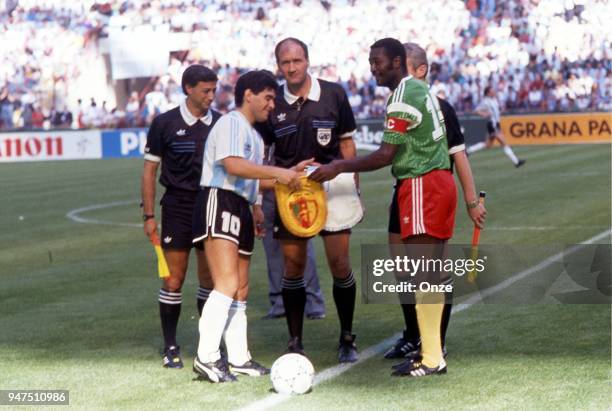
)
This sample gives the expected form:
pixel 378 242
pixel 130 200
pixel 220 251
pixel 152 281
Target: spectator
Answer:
pixel 537 55
pixel 61 118
pixel 6 109
pixel 132 109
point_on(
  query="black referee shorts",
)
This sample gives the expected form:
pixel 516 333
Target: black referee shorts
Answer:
pixel 223 214
pixel 177 212
pixel 394 224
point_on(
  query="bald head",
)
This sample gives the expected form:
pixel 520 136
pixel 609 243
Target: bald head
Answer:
pixel 290 40
pixel 416 60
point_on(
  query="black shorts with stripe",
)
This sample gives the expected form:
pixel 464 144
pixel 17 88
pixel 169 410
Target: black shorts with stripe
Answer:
pixel 176 223
pixel 492 128
pixel 223 214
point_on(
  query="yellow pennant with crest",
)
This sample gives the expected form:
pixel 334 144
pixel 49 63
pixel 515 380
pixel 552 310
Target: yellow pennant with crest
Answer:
pixel 302 211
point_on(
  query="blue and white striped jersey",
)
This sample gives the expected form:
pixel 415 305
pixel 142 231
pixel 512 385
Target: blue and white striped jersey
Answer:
pixel 491 105
pixel 232 136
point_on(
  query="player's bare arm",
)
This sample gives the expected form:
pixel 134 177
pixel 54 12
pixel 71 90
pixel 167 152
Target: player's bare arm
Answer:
pixel 301 166
pixel 374 161
pixel 476 211
pixel 149 175
pixel 244 168
pixel 483 113
pixel 268 184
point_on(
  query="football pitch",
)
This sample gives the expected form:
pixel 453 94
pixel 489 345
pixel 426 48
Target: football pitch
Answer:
pixel 79 305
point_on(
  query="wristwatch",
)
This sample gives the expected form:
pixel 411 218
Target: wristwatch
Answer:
pixel 472 204
pixel 146 217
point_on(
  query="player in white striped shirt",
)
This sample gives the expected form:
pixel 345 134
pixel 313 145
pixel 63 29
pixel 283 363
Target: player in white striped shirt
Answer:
pixel 489 108
pixel 224 225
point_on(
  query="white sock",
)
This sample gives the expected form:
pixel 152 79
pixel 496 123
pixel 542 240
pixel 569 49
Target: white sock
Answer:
pixel 235 334
pixel 211 325
pixel 508 151
pixel 476 147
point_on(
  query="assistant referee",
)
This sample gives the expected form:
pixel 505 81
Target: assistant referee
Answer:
pixel 176 140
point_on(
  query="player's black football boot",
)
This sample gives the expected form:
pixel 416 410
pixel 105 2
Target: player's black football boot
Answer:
pixel 404 348
pixel 172 357
pixel 417 357
pixel 417 369
pixel 347 350
pixel 295 346
pixel 217 371
pixel 251 368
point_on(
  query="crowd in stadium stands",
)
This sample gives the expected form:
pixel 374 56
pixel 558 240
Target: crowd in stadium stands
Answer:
pixel 539 56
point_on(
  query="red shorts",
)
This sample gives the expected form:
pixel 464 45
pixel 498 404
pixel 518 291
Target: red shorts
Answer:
pixel 427 205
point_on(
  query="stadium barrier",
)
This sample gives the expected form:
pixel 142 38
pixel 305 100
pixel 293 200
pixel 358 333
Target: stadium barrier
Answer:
pixel 369 132
pixel 548 128
pixel 20 146
pixel 24 146
pixel 566 128
pixel 71 144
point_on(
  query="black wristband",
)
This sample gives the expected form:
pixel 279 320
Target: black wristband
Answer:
pixel 146 217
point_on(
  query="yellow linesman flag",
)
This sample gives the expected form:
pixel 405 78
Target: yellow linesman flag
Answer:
pixel 302 211
pixel 162 265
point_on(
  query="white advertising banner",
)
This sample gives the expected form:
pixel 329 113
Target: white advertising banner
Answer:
pixel 50 145
pixel 138 53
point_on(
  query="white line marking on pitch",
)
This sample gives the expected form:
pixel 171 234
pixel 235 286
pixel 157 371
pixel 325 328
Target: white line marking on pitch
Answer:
pixel 74 214
pixel 501 228
pixel 332 372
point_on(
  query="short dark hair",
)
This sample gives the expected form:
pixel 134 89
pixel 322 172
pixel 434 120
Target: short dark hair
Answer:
pixel 392 48
pixel 294 40
pixel 486 90
pixel 416 54
pixel 196 73
pixel 256 81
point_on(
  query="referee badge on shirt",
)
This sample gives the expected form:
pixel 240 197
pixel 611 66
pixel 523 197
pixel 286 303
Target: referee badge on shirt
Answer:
pixel 324 130
pixel 324 136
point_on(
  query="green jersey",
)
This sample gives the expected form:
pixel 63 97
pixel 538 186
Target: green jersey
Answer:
pixel 414 121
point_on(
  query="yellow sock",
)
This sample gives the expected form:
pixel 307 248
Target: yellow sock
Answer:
pixel 429 308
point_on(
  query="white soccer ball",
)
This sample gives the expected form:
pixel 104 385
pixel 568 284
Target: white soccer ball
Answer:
pixel 292 374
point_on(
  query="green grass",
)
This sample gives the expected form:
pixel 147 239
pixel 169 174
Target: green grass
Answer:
pixel 79 301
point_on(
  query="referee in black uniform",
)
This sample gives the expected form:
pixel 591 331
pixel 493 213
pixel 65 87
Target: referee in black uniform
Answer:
pixel 176 140
pixel 408 346
pixel 312 118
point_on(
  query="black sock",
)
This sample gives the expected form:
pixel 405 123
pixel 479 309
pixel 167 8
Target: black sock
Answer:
pixel 446 314
pixel 169 312
pixel 294 300
pixel 203 294
pixel 411 332
pixel 344 296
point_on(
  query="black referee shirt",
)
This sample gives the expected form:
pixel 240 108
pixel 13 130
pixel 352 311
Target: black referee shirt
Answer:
pixel 177 139
pixel 301 129
pixel 455 138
